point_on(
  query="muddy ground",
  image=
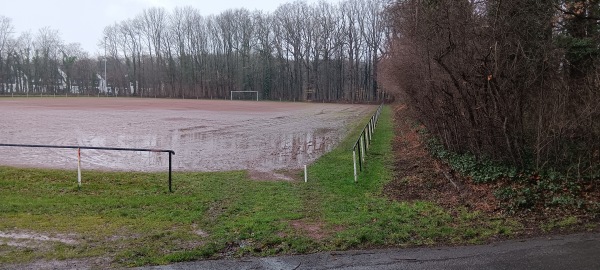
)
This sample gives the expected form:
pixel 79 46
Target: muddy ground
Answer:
pixel 206 135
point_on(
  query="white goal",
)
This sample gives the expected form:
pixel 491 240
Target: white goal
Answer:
pixel 244 95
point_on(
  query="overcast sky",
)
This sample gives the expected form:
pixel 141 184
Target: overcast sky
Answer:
pixel 83 21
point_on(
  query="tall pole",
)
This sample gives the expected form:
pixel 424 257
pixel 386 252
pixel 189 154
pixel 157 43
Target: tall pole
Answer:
pixel 105 78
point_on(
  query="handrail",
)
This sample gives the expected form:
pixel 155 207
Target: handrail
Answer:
pixel 364 141
pixel 171 152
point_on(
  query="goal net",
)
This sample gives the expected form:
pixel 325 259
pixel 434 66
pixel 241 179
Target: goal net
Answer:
pixel 244 95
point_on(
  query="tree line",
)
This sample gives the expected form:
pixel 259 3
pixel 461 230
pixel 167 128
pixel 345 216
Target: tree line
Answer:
pixel 41 63
pixel 516 81
pixel 321 51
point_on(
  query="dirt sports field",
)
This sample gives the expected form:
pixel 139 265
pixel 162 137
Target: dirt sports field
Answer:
pixel 205 135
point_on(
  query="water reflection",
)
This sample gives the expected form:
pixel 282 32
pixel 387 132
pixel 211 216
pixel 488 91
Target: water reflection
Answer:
pixel 279 137
pixel 211 151
pixel 198 149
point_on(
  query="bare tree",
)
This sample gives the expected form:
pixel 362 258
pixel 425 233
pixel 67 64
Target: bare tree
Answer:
pixel 488 78
pixel 321 51
pixel 6 31
pixel 47 44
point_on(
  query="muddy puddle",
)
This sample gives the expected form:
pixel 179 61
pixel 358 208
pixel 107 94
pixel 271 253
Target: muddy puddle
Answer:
pixel 205 135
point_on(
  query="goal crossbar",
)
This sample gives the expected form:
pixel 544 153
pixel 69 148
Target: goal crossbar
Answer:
pixel 231 93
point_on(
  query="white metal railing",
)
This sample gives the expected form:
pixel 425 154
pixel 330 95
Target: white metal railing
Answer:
pixel 364 141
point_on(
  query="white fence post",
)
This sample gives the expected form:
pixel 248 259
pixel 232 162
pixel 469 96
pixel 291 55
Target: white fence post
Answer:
pixel 364 148
pixel 305 174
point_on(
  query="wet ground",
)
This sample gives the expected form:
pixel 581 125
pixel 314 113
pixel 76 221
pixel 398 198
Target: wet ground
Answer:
pixel 205 135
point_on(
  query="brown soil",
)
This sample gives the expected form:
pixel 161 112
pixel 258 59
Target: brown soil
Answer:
pixel 420 176
pixel 313 230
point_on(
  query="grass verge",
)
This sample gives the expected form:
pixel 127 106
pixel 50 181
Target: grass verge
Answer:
pixel 131 219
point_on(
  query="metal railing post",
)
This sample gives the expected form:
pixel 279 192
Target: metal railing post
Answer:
pixel 364 141
pixel 171 153
pixel 359 155
pixel 170 170
pixel 354 160
pixel 370 131
pixel 372 126
pixel 364 148
pixel 79 168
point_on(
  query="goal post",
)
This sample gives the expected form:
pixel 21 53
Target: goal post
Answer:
pixel 245 93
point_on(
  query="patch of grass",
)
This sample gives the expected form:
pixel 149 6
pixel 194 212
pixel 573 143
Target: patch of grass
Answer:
pixel 561 223
pixel 132 218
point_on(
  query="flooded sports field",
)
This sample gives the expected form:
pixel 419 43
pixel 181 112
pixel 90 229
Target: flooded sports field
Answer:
pixel 206 135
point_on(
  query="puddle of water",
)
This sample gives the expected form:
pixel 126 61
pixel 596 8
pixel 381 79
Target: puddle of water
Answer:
pixel 37 237
pixel 205 150
pixel 202 140
pixel 195 151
